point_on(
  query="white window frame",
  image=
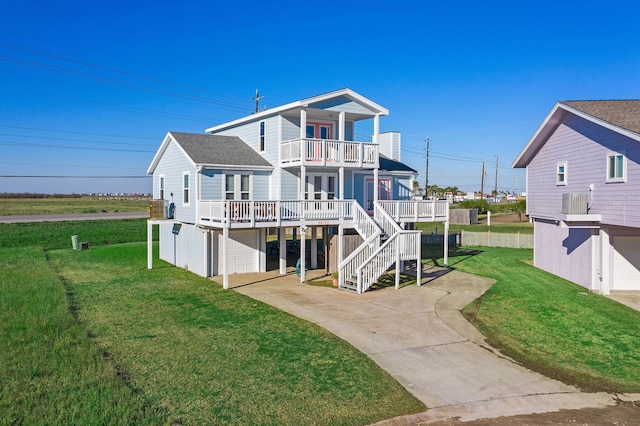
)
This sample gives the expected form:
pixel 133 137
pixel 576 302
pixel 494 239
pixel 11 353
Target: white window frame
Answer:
pixel 262 135
pixel 623 160
pixel 324 192
pixel 563 181
pixel 162 181
pixel 237 186
pixel 186 189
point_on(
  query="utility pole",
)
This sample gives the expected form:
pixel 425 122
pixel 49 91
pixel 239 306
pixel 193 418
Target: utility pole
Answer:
pixel 257 99
pixel 426 181
pixel 495 190
pixel 482 182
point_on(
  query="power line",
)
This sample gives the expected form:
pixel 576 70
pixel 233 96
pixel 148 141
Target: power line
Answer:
pixel 74 177
pixel 86 148
pixel 78 133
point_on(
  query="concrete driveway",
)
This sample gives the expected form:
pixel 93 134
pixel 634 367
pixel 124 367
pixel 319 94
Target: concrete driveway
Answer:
pixel 420 337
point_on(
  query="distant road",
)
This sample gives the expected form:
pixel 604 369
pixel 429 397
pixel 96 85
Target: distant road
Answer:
pixel 72 217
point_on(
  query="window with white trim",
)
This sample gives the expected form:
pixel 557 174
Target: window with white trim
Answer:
pixel 561 173
pixel 616 167
pixel 262 135
pixel 185 188
pixel 161 187
pixel 237 187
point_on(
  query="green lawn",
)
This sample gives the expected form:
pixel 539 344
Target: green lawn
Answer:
pixel 55 235
pixel 552 325
pixel 94 337
pixel 51 372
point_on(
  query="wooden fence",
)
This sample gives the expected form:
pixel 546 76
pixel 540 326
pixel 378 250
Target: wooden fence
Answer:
pixel 496 239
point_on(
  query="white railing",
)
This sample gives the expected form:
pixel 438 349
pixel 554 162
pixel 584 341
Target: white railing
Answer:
pixel 386 222
pixel 329 152
pixel 227 212
pixel 417 211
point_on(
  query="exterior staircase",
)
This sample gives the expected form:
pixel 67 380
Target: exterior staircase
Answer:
pixel 385 244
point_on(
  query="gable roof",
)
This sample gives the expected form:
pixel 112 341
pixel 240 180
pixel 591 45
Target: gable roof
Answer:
pixel 212 151
pixel 375 108
pixel 390 165
pixel 621 116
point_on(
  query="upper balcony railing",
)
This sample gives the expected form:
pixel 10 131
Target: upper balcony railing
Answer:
pixel 325 152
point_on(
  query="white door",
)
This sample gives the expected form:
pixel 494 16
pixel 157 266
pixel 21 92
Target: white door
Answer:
pixel 626 263
pixel 242 252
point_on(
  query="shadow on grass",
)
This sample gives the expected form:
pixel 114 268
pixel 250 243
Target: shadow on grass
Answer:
pixel 433 255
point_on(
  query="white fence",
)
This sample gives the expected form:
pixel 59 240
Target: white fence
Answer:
pixel 496 239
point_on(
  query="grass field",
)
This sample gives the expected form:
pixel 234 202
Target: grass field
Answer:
pixel 85 204
pixel 94 337
pixel 551 325
pixel 57 235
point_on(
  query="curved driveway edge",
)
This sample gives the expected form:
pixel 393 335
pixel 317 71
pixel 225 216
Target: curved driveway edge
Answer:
pixel 420 337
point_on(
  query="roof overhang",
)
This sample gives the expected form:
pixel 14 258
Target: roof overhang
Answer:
pixel 375 108
pixel 551 123
pixel 233 167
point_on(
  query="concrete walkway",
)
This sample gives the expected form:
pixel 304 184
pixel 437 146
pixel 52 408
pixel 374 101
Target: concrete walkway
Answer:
pixel 420 337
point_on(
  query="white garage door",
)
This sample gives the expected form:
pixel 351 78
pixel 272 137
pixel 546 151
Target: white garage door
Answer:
pixel 242 252
pixel 626 263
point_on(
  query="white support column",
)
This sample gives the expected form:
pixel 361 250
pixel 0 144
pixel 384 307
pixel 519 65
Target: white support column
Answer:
pixel 376 185
pixel 446 243
pixel 398 262
pixel 341 125
pixel 341 183
pixel 282 242
pixel 376 128
pixel 605 270
pixel 303 244
pixel 303 123
pixel 419 260
pixel 314 247
pixel 303 182
pixel 340 234
pixel 225 270
pixel 149 244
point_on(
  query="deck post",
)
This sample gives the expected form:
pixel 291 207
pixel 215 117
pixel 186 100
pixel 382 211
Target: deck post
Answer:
pixel 314 247
pixel 225 270
pixel 419 259
pixel 303 244
pixel 149 244
pixel 398 261
pixel 446 243
pixel 282 255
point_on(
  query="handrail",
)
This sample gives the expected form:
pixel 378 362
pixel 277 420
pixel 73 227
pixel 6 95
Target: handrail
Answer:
pixel 329 151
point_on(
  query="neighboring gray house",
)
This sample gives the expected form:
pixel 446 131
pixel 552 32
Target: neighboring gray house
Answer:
pixel 583 193
pixel 295 168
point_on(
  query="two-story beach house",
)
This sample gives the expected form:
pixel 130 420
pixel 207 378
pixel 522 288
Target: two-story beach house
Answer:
pixel 583 193
pixel 293 169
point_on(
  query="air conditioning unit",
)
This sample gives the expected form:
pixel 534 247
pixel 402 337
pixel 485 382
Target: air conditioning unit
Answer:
pixel 574 203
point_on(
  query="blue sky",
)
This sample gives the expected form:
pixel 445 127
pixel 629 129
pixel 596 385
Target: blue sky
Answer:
pixel 89 89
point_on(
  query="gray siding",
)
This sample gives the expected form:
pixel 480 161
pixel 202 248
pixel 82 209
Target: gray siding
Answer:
pixel 290 128
pixel 584 146
pixel 565 252
pixel 172 164
pixel 341 104
pixel 261 185
pixel 212 185
pixel 289 185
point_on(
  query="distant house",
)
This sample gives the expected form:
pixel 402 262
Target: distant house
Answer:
pixel 294 169
pixel 583 193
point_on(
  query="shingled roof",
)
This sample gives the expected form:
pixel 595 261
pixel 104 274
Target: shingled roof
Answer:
pixel 622 113
pixel 391 165
pixel 621 116
pixel 218 150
